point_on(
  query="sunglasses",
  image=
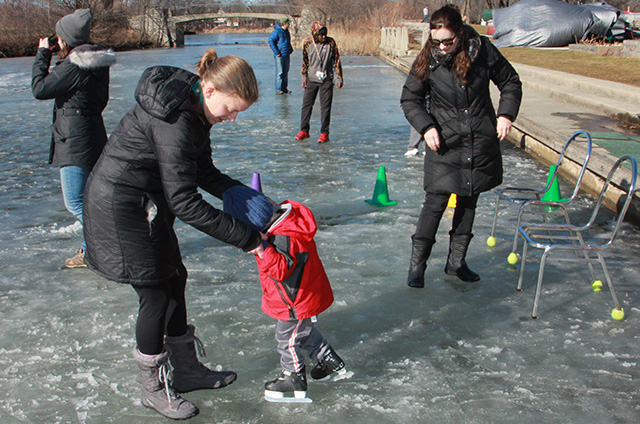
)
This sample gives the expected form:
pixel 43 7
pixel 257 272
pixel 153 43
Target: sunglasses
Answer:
pixel 446 42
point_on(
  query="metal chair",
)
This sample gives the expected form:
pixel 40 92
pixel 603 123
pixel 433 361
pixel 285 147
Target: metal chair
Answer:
pixel 582 240
pixel 524 196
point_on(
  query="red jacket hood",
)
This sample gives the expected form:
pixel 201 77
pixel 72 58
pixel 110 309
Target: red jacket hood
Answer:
pixel 297 221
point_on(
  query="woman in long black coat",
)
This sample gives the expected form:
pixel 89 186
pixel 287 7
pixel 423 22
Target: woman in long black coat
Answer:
pixel 461 129
pixel 149 173
pixel 79 83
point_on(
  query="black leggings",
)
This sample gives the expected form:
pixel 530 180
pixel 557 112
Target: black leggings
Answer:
pixel 163 310
pixel 433 208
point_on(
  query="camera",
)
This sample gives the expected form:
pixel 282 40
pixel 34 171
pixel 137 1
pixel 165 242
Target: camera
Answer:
pixel 321 75
pixel 53 42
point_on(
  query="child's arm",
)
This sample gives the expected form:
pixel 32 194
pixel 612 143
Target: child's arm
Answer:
pixel 277 262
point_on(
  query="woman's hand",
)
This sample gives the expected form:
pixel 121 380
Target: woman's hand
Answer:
pixel 44 42
pixel 503 127
pixel 432 138
pixel 304 81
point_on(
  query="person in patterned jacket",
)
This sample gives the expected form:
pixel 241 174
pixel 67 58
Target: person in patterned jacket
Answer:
pixel 320 64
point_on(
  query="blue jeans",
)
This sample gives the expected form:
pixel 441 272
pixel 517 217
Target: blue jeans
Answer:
pixel 282 73
pixel 73 179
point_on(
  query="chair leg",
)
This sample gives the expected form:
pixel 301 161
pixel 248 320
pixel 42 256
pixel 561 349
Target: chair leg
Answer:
pixel 586 256
pixel 495 217
pixel 608 278
pixel 514 248
pixel 522 265
pixel 543 260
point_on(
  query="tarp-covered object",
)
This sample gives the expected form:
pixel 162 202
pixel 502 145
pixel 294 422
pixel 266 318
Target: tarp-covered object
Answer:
pixel 540 23
pixel 609 21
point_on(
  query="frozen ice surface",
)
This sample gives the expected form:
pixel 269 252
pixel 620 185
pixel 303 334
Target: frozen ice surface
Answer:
pixel 451 352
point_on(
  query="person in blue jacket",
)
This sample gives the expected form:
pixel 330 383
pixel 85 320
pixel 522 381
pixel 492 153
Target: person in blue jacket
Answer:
pixel 280 43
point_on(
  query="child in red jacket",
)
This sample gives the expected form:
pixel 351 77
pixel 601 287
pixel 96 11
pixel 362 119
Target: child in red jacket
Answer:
pixel 295 288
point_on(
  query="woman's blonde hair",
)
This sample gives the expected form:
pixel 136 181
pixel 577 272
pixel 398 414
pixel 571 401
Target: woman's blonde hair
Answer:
pixel 229 74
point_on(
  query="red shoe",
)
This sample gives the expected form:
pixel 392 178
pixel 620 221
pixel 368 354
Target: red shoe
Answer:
pixel 301 135
pixel 323 138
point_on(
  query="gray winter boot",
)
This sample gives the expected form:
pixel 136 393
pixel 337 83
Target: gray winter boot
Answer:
pixel 157 391
pixel 188 373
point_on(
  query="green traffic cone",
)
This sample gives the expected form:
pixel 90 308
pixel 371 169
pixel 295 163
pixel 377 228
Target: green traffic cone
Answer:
pixel 381 192
pixel 553 194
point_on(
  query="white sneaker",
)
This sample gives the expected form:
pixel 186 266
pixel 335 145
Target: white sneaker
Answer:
pixel 411 152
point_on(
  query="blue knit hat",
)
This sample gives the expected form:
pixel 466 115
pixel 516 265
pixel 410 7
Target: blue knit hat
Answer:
pixel 248 205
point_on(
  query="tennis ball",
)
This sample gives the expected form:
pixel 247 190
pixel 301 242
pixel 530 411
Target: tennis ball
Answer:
pixel 617 314
pixel 596 285
pixel 491 241
pixel 512 258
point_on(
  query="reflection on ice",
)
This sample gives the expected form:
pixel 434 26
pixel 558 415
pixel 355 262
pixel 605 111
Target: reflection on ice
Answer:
pixel 451 352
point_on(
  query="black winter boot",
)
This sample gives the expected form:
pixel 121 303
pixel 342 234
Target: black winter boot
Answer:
pixel 420 251
pixel 456 263
pixel 188 373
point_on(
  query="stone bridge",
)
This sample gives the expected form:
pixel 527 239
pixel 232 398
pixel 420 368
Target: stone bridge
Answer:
pixel 164 27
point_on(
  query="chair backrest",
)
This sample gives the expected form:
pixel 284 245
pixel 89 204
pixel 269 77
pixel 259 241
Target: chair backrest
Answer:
pixel 628 196
pixel 561 159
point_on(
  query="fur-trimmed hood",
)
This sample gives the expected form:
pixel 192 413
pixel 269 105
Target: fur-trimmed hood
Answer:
pixel 89 57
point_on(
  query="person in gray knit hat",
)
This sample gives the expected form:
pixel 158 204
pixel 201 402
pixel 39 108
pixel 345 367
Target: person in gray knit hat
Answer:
pixel 80 87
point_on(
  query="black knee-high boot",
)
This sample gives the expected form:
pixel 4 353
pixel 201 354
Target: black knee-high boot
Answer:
pixel 456 263
pixel 420 251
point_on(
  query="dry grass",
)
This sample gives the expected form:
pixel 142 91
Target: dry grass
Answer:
pixel 617 69
pixel 358 42
pixel 610 68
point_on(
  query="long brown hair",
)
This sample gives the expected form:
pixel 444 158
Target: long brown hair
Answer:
pixel 446 17
pixel 229 74
pixel 64 51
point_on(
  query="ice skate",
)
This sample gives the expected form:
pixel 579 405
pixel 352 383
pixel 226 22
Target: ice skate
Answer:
pixel 287 388
pixel 331 363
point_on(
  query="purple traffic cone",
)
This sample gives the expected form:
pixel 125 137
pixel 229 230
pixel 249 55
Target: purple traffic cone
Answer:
pixel 255 182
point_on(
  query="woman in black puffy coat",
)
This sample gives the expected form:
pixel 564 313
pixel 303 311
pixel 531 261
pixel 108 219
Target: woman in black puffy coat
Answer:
pixel 149 173
pixel 79 83
pixel 461 129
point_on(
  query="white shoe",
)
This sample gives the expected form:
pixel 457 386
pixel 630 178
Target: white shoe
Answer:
pixel 411 152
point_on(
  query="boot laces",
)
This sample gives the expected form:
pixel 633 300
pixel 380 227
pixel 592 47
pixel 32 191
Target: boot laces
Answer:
pixel 200 347
pixel 165 377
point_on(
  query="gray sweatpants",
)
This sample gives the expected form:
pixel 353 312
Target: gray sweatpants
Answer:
pixel 296 335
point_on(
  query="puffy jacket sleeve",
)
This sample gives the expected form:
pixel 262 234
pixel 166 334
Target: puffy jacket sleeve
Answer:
pixel 210 178
pixel 273 41
pixel 48 85
pixel 178 162
pixel 505 77
pixel 412 102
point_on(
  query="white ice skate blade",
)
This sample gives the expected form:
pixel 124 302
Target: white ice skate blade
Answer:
pixel 279 397
pixel 343 374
